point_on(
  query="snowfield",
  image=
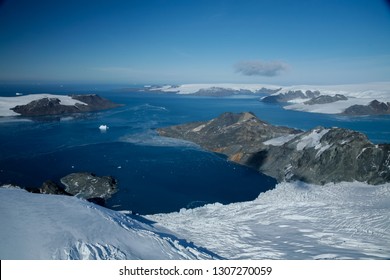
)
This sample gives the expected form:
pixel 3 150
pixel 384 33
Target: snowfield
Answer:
pixel 293 221
pixel 36 226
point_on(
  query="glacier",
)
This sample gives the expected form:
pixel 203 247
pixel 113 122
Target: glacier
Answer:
pixel 348 220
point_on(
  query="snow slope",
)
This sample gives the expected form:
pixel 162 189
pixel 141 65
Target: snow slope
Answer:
pixel 6 103
pixel 293 221
pixel 35 226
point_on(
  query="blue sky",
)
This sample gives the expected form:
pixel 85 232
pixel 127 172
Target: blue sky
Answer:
pixel 169 41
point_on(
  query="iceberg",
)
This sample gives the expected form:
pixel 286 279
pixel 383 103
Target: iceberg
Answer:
pixel 103 127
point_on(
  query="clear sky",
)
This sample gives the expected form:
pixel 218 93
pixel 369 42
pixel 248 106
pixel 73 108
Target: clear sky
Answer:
pixel 195 41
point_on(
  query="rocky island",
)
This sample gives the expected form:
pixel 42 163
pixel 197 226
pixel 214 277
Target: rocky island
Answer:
pixel 50 104
pixel 319 156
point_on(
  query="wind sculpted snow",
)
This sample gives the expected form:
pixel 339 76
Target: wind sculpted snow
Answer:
pixel 293 221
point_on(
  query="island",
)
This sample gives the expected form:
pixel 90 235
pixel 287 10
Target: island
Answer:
pixel 50 104
pixel 319 156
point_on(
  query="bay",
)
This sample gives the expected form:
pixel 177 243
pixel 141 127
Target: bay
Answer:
pixel 155 174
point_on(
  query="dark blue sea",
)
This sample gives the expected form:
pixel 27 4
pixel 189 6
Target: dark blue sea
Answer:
pixel 154 174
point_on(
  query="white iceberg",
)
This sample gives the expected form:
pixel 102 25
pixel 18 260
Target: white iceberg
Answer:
pixel 103 127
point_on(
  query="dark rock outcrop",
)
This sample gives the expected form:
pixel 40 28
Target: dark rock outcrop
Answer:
pixel 94 101
pixel 374 108
pixel 85 185
pixel 48 187
pixel 317 156
pixel 290 95
pixel 324 99
pixel 88 185
pixel 53 106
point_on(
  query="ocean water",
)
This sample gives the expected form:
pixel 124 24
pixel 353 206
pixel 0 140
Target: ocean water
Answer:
pixel 154 174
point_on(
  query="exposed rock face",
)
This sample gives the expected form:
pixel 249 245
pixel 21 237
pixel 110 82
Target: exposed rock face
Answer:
pixel 290 95
pixel 88 185
pixel 327 155
pixel 374 108
pixel 94 101
pixel 324 99
pixel 317 156
pixel 53 106
pixel 49 187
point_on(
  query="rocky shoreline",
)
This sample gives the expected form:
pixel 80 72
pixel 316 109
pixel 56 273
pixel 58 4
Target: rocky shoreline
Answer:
pixel 318 156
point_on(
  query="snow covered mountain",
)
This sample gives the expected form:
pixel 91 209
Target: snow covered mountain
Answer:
pixel 39 226
pixel 293 221
pixel 195 88
pixel 297 95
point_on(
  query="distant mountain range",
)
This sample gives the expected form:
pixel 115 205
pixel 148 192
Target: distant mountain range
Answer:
pixel 353 99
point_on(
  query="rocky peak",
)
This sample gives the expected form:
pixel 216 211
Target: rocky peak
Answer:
pixel 230 133
pixel 373 108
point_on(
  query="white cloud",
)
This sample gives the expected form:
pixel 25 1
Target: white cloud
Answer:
pixel 260 68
